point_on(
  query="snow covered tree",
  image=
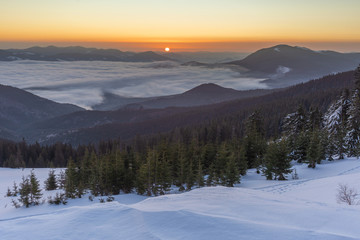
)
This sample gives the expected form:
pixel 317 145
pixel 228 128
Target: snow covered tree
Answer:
pixel 353 127
pixel 299 147
pixel 295 123
pixel 296 128
pixel 336 124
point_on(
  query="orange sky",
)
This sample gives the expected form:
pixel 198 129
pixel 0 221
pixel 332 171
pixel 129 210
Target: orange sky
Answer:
pixel 183 25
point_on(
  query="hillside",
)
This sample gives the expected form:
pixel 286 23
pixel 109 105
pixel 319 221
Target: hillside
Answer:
pixel 254 209
pixel 18 107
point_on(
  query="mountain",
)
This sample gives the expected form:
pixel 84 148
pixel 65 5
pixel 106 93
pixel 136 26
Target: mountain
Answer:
pixel 52 53
pixel 204 94
pixel 285 65
pixel 18 108
pixel 91 127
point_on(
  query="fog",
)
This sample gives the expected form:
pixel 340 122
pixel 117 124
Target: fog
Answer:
pixel 83 83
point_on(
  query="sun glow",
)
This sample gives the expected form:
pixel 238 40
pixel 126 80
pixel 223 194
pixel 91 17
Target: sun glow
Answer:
pixel 167 49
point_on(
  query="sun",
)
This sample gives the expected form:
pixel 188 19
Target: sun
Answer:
pixel 167 49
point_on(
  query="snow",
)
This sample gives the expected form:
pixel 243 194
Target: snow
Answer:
pixel 255 209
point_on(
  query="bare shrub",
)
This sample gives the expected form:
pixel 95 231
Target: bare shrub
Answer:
pixel 347 195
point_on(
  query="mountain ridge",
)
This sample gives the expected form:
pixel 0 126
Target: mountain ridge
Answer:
pixel 78 53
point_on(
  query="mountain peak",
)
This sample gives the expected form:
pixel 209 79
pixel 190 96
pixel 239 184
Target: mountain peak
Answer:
pixel 209 88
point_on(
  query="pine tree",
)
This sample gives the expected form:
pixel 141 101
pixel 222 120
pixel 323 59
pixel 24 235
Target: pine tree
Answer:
pixel 15 190
pixel 141 184
pixel 200 175
pixel 277 162
pixel 71 180
pixel 232 175
pixel 339 141
pixel 313 155
pixel 353 129
pixel 30 192
pixel 300 147
pixel 25 191
pixel 35 193
pixel 254 141
pixel 357 77
pixel 51 183
pixel 61 179
pixel 295 123
pixel 220 164
pixel 190 176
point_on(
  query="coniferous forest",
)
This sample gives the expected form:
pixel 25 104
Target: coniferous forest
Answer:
pixel 217 152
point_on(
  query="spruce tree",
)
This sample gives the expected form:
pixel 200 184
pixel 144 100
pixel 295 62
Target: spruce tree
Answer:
pixel 190 176
pixel 254 142
pixel 353 129
pixel 30 192
pixel 141 184
pixel 232 175
pixel 357 77
pixel 277 163
pixel 313 154
pixel 71 180
pixel 35 194
pixel 300 147
pixel 25 191
pixel 51 183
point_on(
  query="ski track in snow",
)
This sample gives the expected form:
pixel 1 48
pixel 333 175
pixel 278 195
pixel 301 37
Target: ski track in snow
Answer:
pixel 284 187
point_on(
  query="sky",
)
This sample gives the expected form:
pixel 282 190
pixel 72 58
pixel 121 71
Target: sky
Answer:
pixel 182 25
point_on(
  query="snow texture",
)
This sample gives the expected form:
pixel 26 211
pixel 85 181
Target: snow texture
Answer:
pixel 255 209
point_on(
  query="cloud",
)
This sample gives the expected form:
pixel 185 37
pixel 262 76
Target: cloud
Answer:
pixel 83 83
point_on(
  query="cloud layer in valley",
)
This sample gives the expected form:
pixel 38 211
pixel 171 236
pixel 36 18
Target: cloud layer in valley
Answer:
pixel 83 83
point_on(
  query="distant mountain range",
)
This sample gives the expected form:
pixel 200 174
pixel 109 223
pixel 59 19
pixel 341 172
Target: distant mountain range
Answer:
pixel 53 53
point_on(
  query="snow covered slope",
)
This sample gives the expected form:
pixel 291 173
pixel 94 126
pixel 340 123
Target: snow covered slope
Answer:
pixel 255 209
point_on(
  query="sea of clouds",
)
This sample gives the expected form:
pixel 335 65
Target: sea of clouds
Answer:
pixel 83 83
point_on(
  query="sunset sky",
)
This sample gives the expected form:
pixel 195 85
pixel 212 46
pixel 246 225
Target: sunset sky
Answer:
pixel 182 25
